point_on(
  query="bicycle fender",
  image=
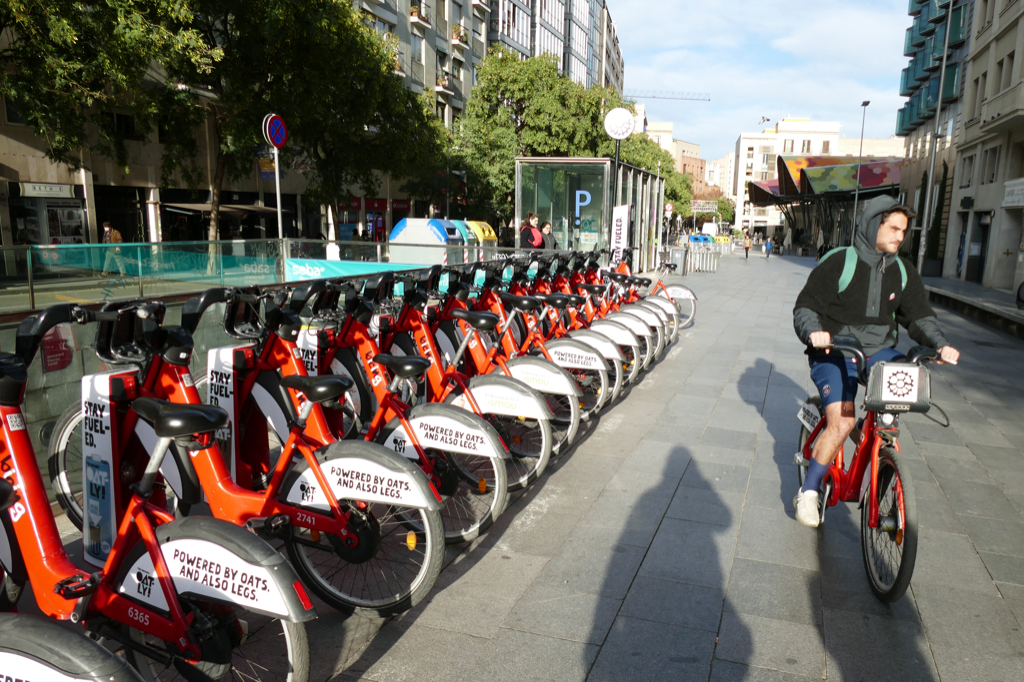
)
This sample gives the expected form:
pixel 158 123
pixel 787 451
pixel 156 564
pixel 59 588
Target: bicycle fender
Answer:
pixel 599 342
pixel 614 331
pixel 678 291
pixel 666 305
pixel 358 470
pixel 662 315
pixel 446 428
pixel 650 318
pixel 573 354
pixel 214 560
pixel 632 323
pixel 503 395
pixel 36 648
pixel 543 375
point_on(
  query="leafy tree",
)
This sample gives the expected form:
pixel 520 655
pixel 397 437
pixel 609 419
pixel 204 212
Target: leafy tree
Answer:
pixel 62 62
pixel 317 64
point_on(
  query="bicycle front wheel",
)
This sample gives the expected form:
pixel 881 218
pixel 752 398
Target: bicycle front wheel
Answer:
pixel 801 471
pixel 890 549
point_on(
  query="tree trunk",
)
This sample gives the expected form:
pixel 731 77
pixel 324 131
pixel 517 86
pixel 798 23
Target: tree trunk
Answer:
pixel 218 180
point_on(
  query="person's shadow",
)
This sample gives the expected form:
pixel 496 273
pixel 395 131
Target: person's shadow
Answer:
pixel 670 566
pixel 854 620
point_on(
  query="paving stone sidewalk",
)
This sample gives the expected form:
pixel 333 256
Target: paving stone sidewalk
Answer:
pixel 664 546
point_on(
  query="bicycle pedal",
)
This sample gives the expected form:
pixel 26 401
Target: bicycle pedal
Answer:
pixel 800 460
pixel 79 585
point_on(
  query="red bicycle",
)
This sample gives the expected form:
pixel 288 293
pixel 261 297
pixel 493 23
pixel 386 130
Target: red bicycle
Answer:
pixel 199 597
pixel 876 478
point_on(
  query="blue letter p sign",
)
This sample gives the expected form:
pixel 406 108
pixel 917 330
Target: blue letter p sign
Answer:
pixel 582 199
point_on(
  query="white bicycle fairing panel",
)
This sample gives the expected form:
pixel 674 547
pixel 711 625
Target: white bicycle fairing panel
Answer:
pixel 497 399
pixel 632 322
pixel 662 303
pixel 356 479
pixel 308 345
pixel 541 378
pixel 443 433
pixel 572 357
pixel 616 332
pixel 206 569
pixel 678 292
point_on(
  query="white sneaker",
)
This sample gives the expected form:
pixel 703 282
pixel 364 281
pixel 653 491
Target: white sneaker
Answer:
pixel 807 511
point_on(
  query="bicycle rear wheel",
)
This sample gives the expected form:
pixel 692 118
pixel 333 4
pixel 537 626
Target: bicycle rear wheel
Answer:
pixel 890 550
pixel 247 646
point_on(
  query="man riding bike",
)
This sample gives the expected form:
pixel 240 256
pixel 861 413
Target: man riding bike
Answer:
pixel 865 291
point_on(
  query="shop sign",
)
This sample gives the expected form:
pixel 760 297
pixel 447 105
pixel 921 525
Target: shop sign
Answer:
pixel 353 204
pixel 1013 193
pixel 376 204
pixel 401 205
pixel 45 189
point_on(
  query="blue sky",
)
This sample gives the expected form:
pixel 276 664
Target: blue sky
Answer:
pixel 775 58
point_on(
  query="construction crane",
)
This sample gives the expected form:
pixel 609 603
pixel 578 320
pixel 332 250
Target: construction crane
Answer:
pixel 659 94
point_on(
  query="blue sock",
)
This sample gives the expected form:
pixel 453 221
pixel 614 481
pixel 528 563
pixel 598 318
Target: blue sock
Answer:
pixel 815 474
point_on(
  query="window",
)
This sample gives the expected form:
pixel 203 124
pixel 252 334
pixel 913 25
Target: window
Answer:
pixel 764 175
pixel 826 147
pixel 750 165
pixel 1007 72
pixel 750 152
pixel 805 147
pixel 478 28
pixel 766 159
pixel 441 109
pixel 989 164
pixel 787 147
pixel 122 125
pixel 982 95
pixel 416 47
pixel 474 74
pixel 456 14
pixel 442 62
pixel 13 117
pixel 967 171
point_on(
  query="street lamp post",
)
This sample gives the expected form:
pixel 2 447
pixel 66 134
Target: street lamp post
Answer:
pixel 860 160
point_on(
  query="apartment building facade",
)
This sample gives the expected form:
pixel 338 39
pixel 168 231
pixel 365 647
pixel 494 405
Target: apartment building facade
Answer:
pixel 685 155
pixel 985 242
pixel 915 121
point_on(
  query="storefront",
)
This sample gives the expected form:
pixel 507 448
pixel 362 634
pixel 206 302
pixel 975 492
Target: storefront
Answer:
pixel 376 219
pixel 400 208
pixel 47 213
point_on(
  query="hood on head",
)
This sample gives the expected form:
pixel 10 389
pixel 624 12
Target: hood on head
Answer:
pixel 866 237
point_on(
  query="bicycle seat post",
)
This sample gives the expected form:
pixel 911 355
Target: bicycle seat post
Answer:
pixel 156 459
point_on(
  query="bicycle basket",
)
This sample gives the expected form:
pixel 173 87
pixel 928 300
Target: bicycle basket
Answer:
pixel 898 387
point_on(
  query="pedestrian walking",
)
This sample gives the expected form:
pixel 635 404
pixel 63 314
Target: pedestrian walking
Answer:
pixel 530 236
pixel 768 248
pixel 821 244
pixel 787 243
pixel 549 239
pixel 113 255
pixel 747 243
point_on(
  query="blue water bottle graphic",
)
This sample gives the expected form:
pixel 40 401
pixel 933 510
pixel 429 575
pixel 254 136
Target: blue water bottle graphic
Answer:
pixel 100 531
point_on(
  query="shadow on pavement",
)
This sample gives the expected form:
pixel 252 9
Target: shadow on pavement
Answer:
pixel 670 566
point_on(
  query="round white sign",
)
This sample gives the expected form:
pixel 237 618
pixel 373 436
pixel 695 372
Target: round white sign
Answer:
pixel 668 208
pixel 619 123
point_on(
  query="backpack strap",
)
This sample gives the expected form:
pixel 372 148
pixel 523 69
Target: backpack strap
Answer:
pixel 903 274
pixel 849 268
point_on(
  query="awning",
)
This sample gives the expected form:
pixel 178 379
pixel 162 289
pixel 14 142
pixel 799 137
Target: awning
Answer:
pixel 808 177
pixel 235 210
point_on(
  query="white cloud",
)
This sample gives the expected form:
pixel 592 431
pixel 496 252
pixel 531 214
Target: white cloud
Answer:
pixel 816 58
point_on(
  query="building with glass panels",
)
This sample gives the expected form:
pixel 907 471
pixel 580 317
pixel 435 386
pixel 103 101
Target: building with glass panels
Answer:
pixel 920 83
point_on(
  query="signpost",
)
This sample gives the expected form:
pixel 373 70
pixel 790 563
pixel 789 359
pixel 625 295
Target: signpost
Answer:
pixel 619 124
pixel 276 134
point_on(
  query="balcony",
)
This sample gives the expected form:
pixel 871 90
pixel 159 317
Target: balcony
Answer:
pixel 907 83
pixel 958 26
pixel 460 37
pixel 916 39
pixel 481 5
pixel 444 84
pixel 1004 111
pixel 908 47
pixel 420 15
pixel 915 8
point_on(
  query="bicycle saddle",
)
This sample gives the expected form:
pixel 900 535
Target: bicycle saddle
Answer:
pixel 319 389
pixel 576 301
pixel 171 420
pixel 478 319
pixel 554 300
pixel 525 304
pixel 616 277
pixel 403 365
pixel 644 281
pixel 595 289
pixel 670 266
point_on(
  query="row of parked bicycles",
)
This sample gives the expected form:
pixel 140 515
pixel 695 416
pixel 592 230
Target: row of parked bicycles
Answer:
pixel 356 428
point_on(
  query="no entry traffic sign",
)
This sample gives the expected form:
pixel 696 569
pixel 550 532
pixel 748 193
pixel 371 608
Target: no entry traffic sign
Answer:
pixel 274 130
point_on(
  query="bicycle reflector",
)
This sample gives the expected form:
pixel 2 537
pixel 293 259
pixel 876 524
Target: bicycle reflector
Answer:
pixel 303 597
pixel 410 540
